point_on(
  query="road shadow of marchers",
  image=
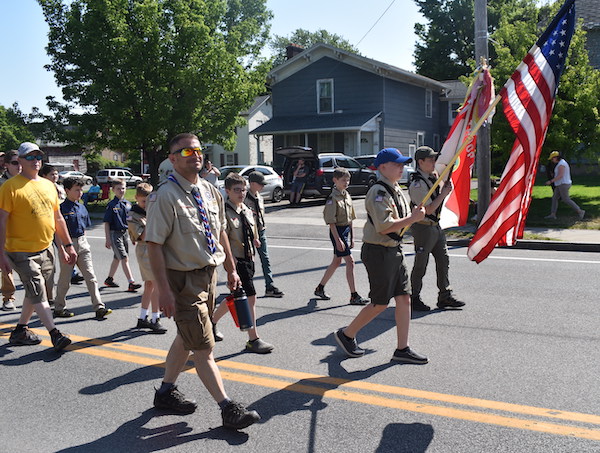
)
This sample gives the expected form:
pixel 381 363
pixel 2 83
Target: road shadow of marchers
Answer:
pixel 405 438
pixel 48 354
pixel 132 437
pixel 147 373
pixel 307 394
pixel 378 326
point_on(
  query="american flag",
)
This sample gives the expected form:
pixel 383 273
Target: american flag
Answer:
pixel 528 99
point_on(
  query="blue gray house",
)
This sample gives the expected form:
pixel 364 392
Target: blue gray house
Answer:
pixel 336 101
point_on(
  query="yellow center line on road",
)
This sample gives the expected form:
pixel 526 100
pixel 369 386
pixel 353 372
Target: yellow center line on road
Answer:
pixel 155 357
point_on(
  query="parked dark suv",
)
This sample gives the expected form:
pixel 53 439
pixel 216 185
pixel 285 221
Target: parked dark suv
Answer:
pixel 320 177
pixel 369 159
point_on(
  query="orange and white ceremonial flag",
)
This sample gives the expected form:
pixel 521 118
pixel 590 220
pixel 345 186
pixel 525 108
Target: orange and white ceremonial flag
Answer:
pixel 480 95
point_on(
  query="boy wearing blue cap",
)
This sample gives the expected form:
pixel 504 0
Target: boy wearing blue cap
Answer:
pixel 388 213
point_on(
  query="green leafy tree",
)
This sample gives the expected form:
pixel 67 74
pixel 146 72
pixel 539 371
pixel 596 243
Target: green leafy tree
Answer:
pixel 306 39
pixel 445 49
pixel 574 128
pixel 140 71
pixel 14 129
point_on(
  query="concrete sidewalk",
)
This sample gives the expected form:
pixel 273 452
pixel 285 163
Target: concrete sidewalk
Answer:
pixel 558 239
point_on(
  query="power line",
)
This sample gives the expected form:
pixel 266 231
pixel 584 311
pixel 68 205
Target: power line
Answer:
pixel 373 26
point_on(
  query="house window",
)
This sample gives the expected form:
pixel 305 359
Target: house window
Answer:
pixel 436 142
pixel 453 111
pixel 411 152
pixel 293 140
pixel 326 142
pixel 420 139
pixel 428 103
pixel 325 96
pixel 231 159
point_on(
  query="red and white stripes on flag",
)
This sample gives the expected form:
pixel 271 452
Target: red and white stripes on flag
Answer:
pixel 528 99
pixel 455 209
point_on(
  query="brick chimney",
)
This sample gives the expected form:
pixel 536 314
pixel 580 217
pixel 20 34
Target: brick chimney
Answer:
pixel 292 50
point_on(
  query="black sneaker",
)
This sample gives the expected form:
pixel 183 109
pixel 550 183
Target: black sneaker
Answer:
pixel 407 355
pixel 24 337
pixel 101 313
pixel 349 345
pixel 259 346
pixel 110 283
pixel 320 293
pixel 66 313
pixel 358 300
pixel 273 291
pixel 416 304
pixel 450 302
pixel 174 401
pixel 218 336
pixel 143 323
pixel 236 416
pixel 76 279
pixel 133 287
pixel 157 327
pixel 60 341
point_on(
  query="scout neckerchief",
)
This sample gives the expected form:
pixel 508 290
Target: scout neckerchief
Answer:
pixel 202 213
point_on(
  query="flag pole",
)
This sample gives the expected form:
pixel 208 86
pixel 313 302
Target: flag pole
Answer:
pixel 465 142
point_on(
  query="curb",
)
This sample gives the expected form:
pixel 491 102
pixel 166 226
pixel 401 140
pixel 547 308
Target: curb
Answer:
pixel 538 245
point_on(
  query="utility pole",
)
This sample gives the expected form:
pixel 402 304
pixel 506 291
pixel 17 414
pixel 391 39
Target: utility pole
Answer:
pixel 483 136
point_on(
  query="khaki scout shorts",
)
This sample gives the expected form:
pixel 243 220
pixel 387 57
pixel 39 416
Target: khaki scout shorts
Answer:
pixel 194 293
pixel 386 269
pixel 33 269
pixel 141 253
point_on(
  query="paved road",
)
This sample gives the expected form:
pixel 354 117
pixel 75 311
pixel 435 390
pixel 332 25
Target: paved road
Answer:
pixel 516 370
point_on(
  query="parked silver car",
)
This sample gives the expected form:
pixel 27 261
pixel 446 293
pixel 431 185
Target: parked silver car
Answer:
pixel 273 190
pixel 74 174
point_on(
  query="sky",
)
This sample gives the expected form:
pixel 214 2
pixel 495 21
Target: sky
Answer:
pixel 23 38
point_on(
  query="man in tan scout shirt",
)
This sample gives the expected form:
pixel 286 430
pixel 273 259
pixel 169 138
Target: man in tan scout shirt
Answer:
pixel 388 213
pixel 186 242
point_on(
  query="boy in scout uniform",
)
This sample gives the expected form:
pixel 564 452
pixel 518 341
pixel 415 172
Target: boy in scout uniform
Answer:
pixel 429 238
pixel 254 200
pixel 388 213
pixel 186 238
pixel 78 220
pixel 242 234
pixel 339 214
pixel 136 225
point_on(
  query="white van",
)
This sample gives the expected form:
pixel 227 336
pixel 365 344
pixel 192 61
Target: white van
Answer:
pixel 108 175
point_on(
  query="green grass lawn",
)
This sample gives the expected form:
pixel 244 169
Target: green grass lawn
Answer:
pixel 585 191
pixel 100 206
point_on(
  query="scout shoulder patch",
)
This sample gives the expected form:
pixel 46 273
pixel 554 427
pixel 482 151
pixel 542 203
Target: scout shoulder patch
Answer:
pixel 380 195
pixel 329 201
pixel 152 197
pixel 416 184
